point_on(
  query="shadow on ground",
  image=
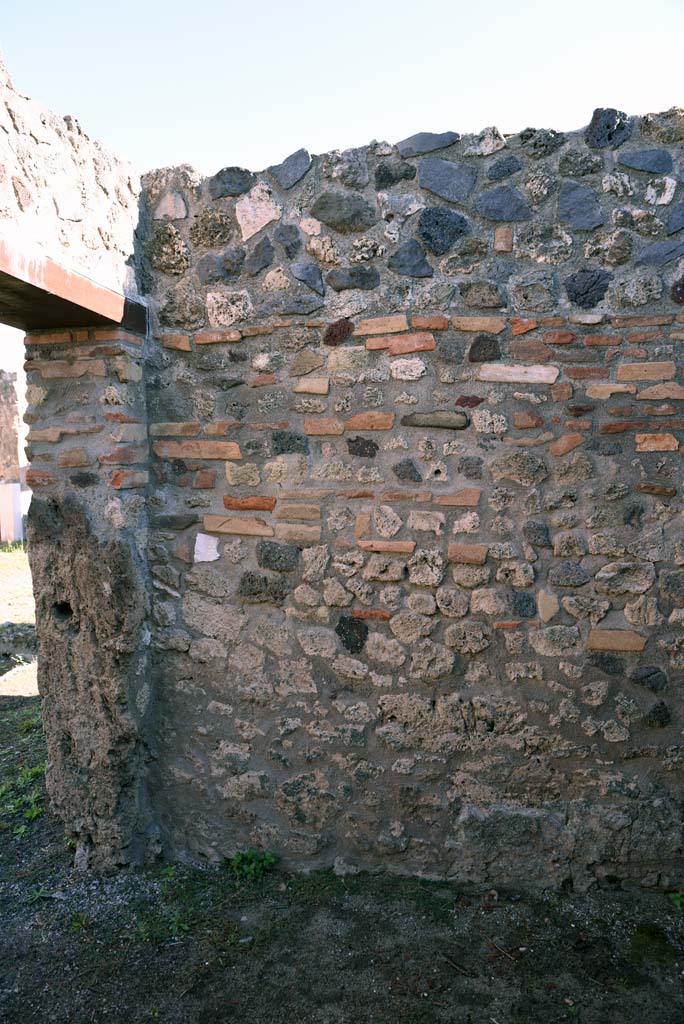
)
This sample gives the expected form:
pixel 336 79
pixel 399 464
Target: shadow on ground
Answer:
pixel 198 946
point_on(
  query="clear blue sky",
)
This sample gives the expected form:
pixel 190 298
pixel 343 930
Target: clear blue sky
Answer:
pixel 240 82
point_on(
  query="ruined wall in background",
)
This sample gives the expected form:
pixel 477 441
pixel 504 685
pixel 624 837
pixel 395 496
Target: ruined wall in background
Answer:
pixel 415 416
pixel 9 428
pixel 64 195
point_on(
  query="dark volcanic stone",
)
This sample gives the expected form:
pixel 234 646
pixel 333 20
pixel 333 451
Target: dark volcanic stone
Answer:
pixel 586 288
pixel 579 206
pixel 568 574
pixel 608 128
pixel 485 349
pixel 278 557
pixel 677 291
pixel 606 662
pixel 524 604
pixel 440 420
pixel 541 142
pixel 672 586
pixel 289 304
pixel 676 219
pixel 660 253
pixel 292 169
pixel 84 479
pixel 537 534
pixel 655 161
pixel 352 632
pixel 287 443
pixel 503 203
pixel 338 331
pixel 650 676
pixel 343 278
pixel 257 588
pixel 426 142
pixel 260 257
pixel 658 716
pixel 439 228
pixel 409 261
pixel 310 275
pixel 344 211
pixel 363 447
pixel 232 260
pixel 211 268
pixel 407 471
pixel 231 181
pixel 174 521
pixel 451 181
pixel 390 172
pixel 289 237
pixel 503 168
pixel 470 466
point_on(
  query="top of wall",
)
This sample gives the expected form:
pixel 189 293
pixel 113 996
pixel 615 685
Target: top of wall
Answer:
pixel 580 223
pixel 64 195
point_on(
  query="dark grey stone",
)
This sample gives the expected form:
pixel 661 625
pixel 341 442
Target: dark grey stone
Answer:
pixel 677 291
pixel 292 169
pixel 310 275
pixel 440 420
pixel 484 349
pixel 579 206
pixel 426 142
pixel 675 221
pixel 391 172
pixel 287 443
pixel 439 228
pixel 503 203
pixel 671 584
pixel 453 182
pixel 568 574
pixel 608 129
pixel 257 588
pixel 655 161
pixel 278 557
pixel 606 662
pixel 174 521
pixel 298 304
pixel 83 479
pixel 231 181
pixel 344 211
pixel 210 269
pixel 409 261
pixel 586 288
pixel 352 632
pixel 343 278
pixel 470 466
pixel 260 257
pixel 541 142
pixel 524 604
pixel 537 534
pixel 650 676
pixel 232 260
pixel 289 237
pixel 660 253
pixel 504 168
pixel 363 447
pixel 658 716
pixel 407 471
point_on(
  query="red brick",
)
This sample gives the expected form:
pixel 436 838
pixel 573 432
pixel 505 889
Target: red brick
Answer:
pixel 601 340
pixel 49 338
pixel 124 479
pixel 257 503
pixel 621 428
pixel 656 443
pixel 217 337
pixel 646 371
pixel 382 325
pixel 373 614
pixel 520 326
pixel 39 478
pixel 640 337
pixel 263 380
pixel 468 554
pixel 243 526
pixel 371 421
pixel 117 334
pixel 124 455
pixel 396 547
pixel 526 420
pixel 586 372
pixel 422 342
pixel 633 320
pixel 658 489
pixel 323 426
pixel 503 239
pixel 204 479
pixel 615 640
pixel 174 429
pixel 566 444
pixel 77 458
pixel 179 342
pixel 469 497
pixel 530 351
pixel 488 324
pixel 219 428
pixel 561 392
pixel 430 323
pixel 559 337
pixel 197 450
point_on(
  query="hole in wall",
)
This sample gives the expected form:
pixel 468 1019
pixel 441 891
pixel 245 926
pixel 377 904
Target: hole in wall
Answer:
pixel 62 611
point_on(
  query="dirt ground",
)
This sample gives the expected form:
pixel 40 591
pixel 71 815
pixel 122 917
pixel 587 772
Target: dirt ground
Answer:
pixel 190 945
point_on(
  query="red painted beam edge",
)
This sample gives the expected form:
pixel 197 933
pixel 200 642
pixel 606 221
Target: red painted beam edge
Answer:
pixel 47 275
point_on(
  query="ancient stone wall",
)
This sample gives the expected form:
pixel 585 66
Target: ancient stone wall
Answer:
pixel 64 195
pixel 416 547
pixel 9 428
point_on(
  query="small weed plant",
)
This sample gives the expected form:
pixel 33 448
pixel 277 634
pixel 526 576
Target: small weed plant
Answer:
pixel 251 865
